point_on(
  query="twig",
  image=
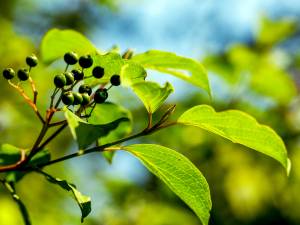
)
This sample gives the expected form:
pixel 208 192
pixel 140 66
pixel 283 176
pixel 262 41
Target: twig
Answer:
pixel 53 97
pixel 11 189
pixel 97 148
pixel 59 99
pixel 149 121
pixel 28 100
pixel 67 66
pixel 35 148
pixel 57 123
pixel 52 136
pixel 34 90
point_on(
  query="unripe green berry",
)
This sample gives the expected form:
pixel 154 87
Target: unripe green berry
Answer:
pixel 68 98
pixel 115 80
pixel 85 89
pixel 69 78
pixel 8 73
pixel 23 74
pixel 100 95
pixel 78 74
pixel 77 98
pixel 71 58
pixel 85 99
pixel 60 80
pixel 85 61
pixel 98 72
pixel 32 60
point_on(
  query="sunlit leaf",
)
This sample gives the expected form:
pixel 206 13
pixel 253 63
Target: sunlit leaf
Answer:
pixel 272 32
pixel 108 112
pixel 151 94
pixel 9 154
pixel 242 57
pixel 219 65
pixel 132 73
pixel 282 88
pixel 184 68
pixel 112 62
pixel 182 177
pixel 84 202
pixel 57 42
pixel 41 157
pixel 108 156
pixel 86 133
pixel 238 127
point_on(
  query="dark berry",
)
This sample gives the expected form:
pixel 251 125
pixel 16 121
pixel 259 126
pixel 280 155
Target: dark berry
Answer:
pixel 69 78
pixel 85 99
pixel 71 58
pixel 60 80
pixel 100 95
pixel 98 72
pixel 78 74
pixel 68 98
pixel 31 60
pixel 85 61
pixel 8 73
pixel 77 98
pixel 85 89
pixel 23 74
pixel 115 80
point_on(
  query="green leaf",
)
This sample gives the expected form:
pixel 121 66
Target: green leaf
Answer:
pixel 219 65
pixel 112 62
pixel 132 73
pixel 84 202
pixel 85 133
pixel 238 127
pixel 9 154
pixel 108 155
pixel 57 42
pixel 182 177
pixel 41 157
pixel 151 94
pixel 184 68
pixel 108 112
pixel 285 87
pixel 105 113
pixel 273 32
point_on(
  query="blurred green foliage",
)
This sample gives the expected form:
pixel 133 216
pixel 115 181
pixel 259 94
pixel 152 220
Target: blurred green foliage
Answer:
pixel 247 188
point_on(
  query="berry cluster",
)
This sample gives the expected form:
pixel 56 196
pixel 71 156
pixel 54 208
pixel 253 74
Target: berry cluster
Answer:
pixel 66 81
pixel 83 96
pixel 23 74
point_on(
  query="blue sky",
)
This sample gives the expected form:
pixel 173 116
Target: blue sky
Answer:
pixel 188 27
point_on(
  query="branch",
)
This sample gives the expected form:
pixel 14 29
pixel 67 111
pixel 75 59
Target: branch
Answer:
pixel 23 160
pixel 105 147
pixel 90 150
